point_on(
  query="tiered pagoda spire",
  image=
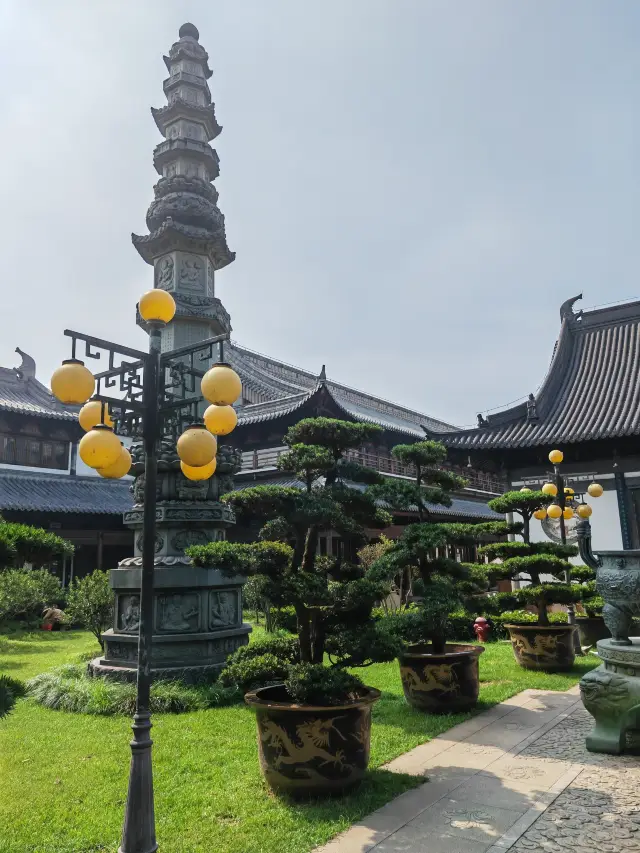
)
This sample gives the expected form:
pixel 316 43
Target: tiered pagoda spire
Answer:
pixel 187 241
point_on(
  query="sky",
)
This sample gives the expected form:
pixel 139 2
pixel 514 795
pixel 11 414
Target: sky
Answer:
pixel 412 187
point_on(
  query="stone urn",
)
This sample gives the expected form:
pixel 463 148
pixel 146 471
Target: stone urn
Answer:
pixel 611 693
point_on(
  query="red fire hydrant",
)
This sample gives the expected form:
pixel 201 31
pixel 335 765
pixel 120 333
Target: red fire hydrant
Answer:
pixel 482 629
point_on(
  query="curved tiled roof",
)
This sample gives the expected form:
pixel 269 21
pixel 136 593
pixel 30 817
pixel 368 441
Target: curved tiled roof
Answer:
pixel 280 389
pixel 30 492
pixel 591 391
pixel 30 397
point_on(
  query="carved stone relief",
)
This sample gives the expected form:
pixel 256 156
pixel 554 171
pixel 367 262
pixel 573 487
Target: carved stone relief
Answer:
pixel 191 490
pixel 178 613
pixel 192 272
pixel 128 613
pixel 164 273
pixel 122 651
pixel 223 608
pixel 184 538
pixel 209 279
pixel 158 546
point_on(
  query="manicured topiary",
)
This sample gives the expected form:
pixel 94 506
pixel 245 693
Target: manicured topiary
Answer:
pixel 333 601
pixel 424 549
pixel 529 561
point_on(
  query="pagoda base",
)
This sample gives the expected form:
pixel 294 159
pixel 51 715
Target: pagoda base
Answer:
pixel 197 623
pixel 190 658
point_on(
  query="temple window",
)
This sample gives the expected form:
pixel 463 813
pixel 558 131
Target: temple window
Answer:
pixel 35 453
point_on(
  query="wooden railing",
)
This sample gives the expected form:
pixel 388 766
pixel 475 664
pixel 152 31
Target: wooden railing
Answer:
pixel 479 480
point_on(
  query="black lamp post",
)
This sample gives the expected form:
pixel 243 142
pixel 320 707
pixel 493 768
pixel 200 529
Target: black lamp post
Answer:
pixel 161 394
pixel 564 498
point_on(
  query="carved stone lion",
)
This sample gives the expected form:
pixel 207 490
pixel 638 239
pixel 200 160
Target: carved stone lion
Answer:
pixel 604 692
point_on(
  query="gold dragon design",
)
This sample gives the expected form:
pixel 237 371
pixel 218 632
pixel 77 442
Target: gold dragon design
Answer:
pixel 442 678
pixel 313 740
pixel 544 645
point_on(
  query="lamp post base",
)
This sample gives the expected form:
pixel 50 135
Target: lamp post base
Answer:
pixel 138 833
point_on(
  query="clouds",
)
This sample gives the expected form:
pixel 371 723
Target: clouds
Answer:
pixel 412 187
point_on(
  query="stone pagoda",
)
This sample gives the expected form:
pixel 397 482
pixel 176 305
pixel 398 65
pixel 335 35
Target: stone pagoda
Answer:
pixel 198 612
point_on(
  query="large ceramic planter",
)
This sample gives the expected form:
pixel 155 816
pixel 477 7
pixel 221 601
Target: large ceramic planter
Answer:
pixel 441 683
pixel 308 750
pixel 546 647
pixel 591 629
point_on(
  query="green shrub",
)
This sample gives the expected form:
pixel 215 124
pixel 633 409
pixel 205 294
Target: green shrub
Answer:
pixel 90 603
pixel 33 544
pixel 460 625
pixel 284 619
pixel 24 593
pixel 70 688
pixel 280 645
pixel 315 684
pixel 254 672
pixel 10 690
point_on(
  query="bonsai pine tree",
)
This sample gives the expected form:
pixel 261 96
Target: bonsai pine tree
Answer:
pixel 425 548
pixel 333 599
pixel 530 561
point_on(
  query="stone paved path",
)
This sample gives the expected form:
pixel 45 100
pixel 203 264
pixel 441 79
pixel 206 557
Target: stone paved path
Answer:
pixel 517 778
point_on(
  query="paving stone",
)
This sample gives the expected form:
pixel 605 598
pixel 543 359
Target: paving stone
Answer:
pixel 517 780
pixel 414 841
pixel 491 791
pixel 473 821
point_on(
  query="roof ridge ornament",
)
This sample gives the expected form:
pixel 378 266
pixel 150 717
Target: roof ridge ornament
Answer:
pixel 532 411
pixel 27 369
pixel 566 309
pixel 323 374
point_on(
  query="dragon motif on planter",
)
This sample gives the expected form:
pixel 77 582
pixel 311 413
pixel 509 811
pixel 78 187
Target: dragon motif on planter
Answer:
pixel 543 645
pixel 313 740
pixel 442 678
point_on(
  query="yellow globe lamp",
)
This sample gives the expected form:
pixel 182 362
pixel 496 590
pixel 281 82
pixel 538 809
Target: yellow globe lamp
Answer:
pixel 550 489
pixel 220 420
pixel 221 385
pixel 540 514
pixel 196 446
pixel 569 491
pixel 72 382
pixel 157 305
pixel 556 457
pixel 525 489
pixel 120 467
pixel 99 448
pixel 90 415
pixel 568 512
pixel 584 510
pixel 554 511
pixel 595 490
pixel 203 472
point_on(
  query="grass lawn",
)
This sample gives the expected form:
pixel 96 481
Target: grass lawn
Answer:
pixel 64 776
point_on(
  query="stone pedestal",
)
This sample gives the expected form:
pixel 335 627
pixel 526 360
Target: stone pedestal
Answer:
pixel 197 623
pixel 611 694
pixel 197 612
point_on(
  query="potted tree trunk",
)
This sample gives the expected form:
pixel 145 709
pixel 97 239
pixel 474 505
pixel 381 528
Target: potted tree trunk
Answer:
pixel 437 676
pixel 314 727
pixel 545 570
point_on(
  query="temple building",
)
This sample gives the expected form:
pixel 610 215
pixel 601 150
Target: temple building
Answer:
pixel 43 482
pixel 588 406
